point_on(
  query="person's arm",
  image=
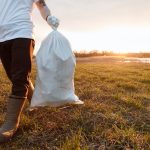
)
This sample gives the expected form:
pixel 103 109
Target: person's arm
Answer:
pixel 46 14
pixel 44 10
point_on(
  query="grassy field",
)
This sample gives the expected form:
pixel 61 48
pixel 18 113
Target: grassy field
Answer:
pixel 116 114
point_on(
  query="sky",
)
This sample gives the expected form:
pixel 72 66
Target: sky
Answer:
pixel 113 25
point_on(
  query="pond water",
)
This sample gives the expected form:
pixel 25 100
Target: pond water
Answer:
pixel 142 60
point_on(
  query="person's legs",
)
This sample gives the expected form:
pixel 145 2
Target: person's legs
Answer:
pixel 5 56
pixel 22 52
pixel 20 68
pixel 6 59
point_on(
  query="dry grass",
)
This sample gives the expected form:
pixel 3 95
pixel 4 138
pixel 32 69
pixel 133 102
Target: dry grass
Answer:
pixel 116 114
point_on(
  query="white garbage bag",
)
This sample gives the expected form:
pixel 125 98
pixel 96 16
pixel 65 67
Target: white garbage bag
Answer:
pixel 56 62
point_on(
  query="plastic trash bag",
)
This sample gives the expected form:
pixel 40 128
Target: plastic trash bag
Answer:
pixel 56 62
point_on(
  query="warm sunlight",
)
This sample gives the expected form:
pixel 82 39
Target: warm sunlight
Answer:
pixel 119 26
pixel 116 39
pixel 75 75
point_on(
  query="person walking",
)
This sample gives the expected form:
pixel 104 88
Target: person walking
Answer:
pixel 16 51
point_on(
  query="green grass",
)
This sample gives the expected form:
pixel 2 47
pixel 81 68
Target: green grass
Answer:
pixel 116 114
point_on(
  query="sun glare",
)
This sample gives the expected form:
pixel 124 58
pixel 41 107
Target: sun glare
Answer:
pixel 116 39
pixel 121 40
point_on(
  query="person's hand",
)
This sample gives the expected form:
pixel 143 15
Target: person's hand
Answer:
pixel 53 22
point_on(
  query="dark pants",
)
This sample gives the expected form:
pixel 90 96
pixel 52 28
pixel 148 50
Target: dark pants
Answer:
pixel 16 56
